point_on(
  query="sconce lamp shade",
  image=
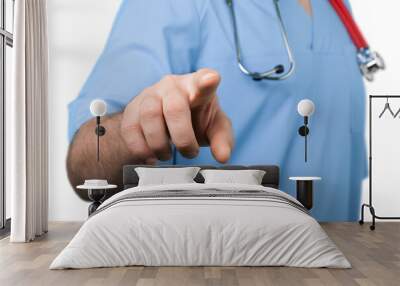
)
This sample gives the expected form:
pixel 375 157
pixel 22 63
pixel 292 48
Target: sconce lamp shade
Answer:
pixel 305 107
pixel 98 107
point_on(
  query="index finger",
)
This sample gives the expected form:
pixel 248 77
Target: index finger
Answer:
pixel 202 86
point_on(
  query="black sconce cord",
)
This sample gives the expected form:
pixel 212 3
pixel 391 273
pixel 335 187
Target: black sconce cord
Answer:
pixel 305 137
pixel 98 137
pixel 304 131
pixel 100 131
pixel 305 148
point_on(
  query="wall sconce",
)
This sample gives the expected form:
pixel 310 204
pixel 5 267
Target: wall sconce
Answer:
pixel 98 108
pixel 305 108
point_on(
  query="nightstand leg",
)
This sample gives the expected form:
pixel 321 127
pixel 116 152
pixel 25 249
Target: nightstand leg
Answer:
pixel 305 193
pixel 96 196
pixel 93 207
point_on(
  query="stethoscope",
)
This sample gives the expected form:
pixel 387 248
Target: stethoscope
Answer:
pixel 369 62
pixel 276 73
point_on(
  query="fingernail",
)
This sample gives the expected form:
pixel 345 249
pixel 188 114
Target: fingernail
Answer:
pixel 192 154
pixel 224 154
pixel 209 76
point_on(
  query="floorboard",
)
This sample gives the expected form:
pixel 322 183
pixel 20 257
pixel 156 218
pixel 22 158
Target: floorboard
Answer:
pixel 374 255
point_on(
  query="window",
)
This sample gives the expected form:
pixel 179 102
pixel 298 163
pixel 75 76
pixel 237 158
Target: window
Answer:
pixel 6 44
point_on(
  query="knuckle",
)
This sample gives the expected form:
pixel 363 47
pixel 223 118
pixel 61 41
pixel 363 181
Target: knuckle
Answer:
pixel 168 79
pixel 147 91
pixel 150 108
pixel 175 108
pixel 154 136
pixel 131 107
pixel 129 129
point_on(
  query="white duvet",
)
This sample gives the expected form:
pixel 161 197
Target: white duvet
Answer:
pixel 188 231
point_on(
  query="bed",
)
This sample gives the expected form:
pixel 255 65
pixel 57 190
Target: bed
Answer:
pixel 201 224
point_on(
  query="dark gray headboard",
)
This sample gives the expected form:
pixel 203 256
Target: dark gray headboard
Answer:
pixel 271 177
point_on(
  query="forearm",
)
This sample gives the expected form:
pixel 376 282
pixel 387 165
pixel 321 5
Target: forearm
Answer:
pixel 82 155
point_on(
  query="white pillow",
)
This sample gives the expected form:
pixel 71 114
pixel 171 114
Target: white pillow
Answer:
pixel 248 177
pixel 165 176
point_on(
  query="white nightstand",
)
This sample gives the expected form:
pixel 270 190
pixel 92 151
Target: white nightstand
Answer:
pixel 96 193
pixel 304 190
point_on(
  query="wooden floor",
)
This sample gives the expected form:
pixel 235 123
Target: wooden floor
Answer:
pixel 375 257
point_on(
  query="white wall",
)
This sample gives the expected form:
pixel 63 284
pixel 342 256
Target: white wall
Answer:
pixel 78 30
pixel 380 22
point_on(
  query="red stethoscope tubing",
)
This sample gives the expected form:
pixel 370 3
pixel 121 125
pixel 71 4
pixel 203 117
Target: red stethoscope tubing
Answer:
pixel 351 26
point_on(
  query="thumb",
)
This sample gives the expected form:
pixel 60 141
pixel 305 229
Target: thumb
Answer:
pixel 204 84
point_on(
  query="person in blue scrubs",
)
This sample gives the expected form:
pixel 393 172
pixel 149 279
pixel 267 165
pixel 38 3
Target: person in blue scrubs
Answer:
pixel 154 38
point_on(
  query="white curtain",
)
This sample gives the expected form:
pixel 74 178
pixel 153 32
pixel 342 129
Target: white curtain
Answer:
pixel 27 150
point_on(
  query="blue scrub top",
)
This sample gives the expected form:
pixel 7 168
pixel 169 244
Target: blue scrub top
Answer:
pixel 153 38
